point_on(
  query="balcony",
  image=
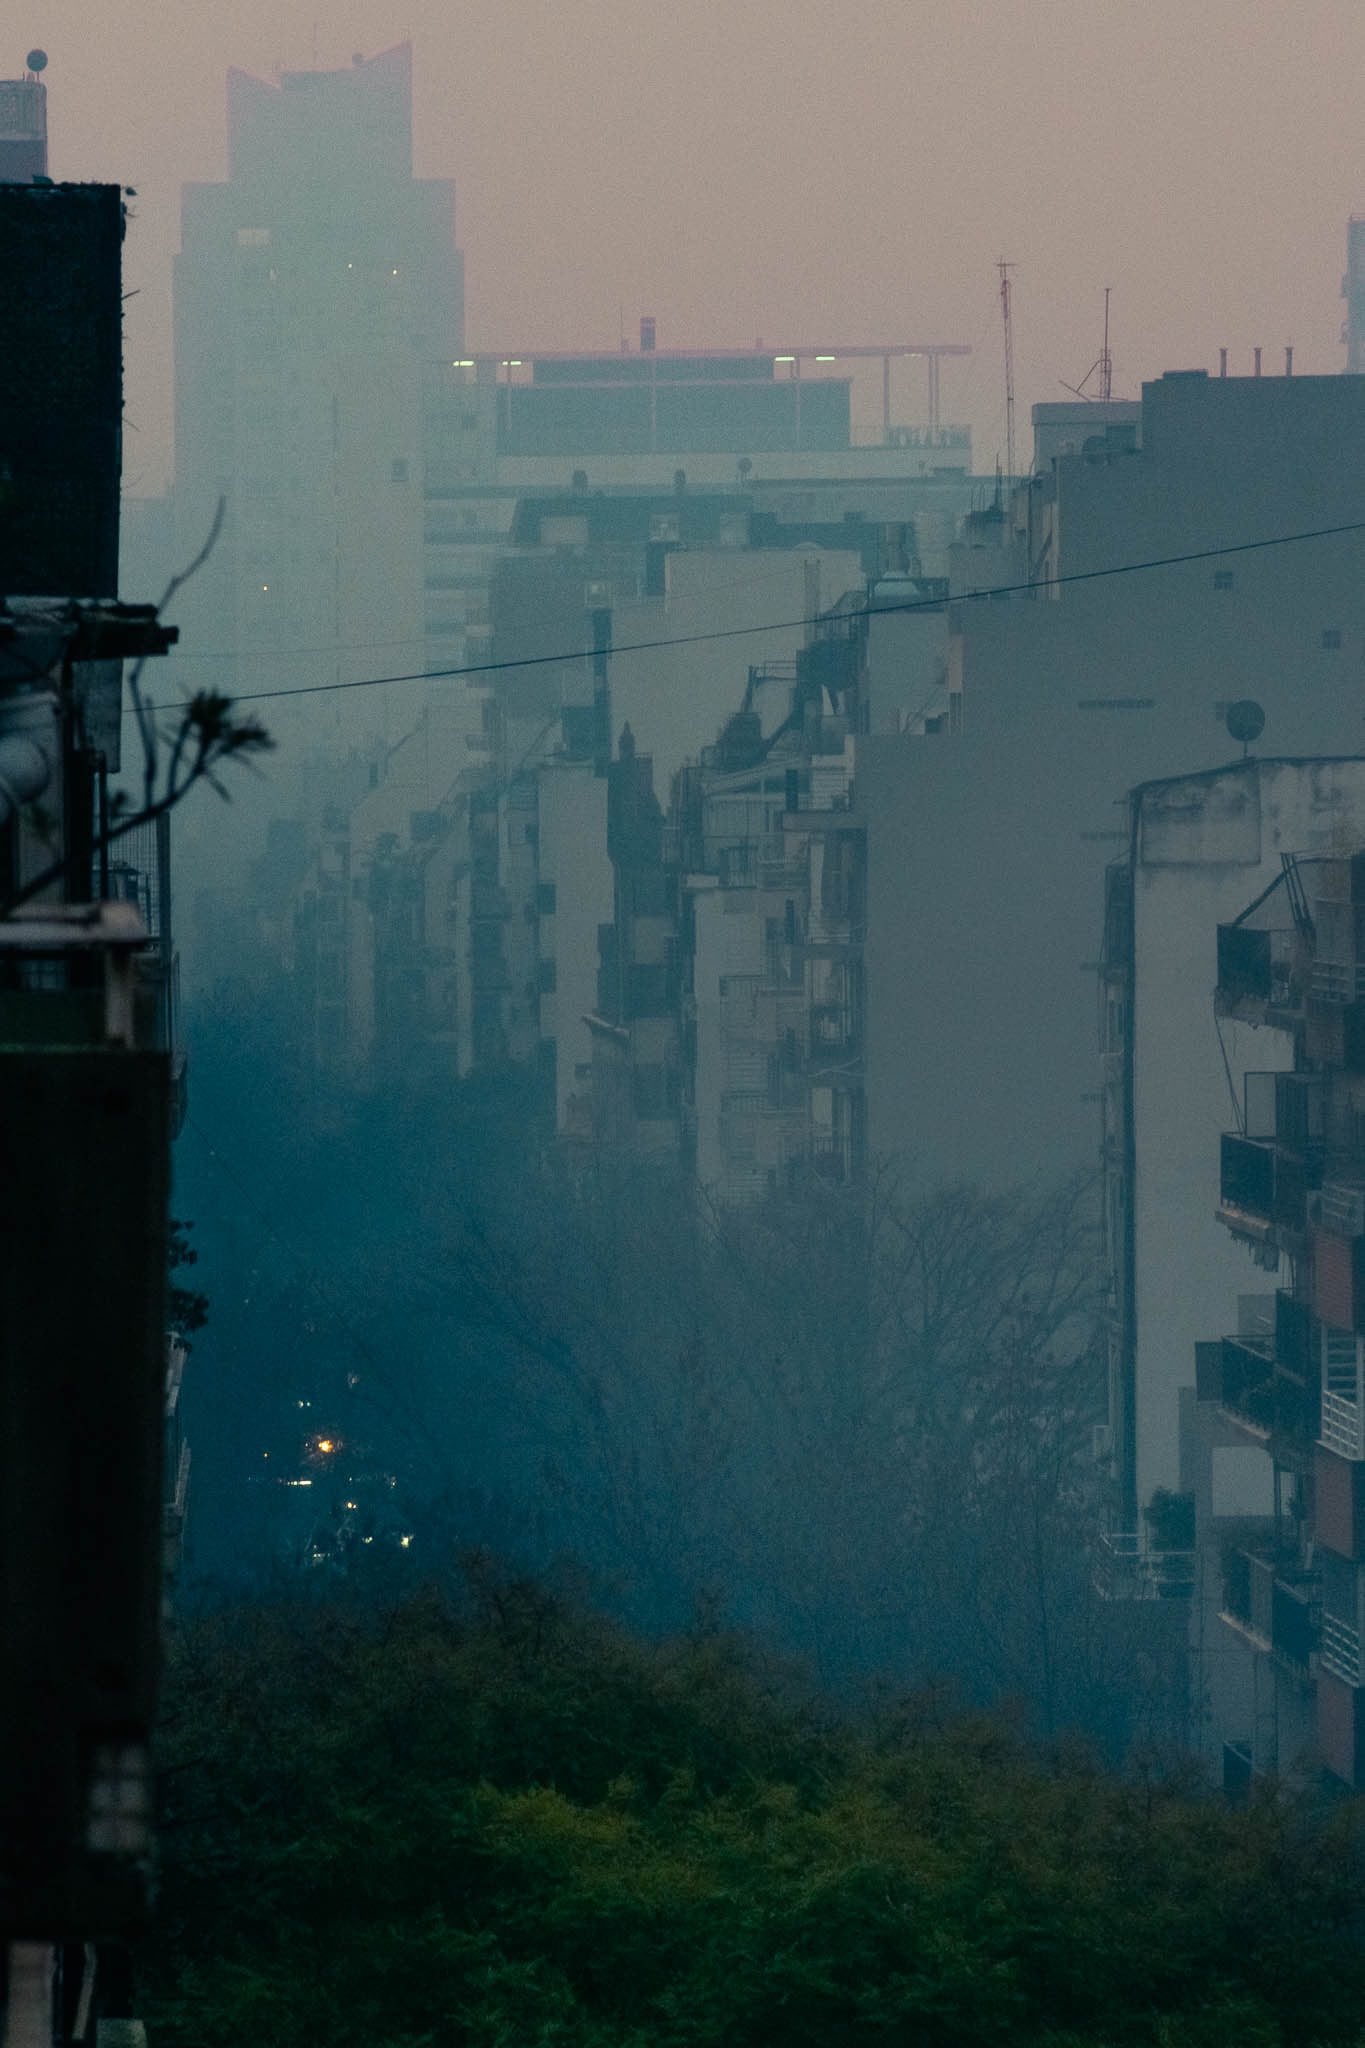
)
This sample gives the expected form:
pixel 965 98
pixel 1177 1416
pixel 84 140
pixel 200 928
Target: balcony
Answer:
pixel 834 1030
pixel 1343 1426
pixel 1245 1382
pixel 1256 969
pixel 1248 1594
pixel 1274 1603
pixel 1294 1620
pixel 1334 1033
pixel 1294 1352
pixel 1124 1570
pixel 1340 1208
pixel 1263 1189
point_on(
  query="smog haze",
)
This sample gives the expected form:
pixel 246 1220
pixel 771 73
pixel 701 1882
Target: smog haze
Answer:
pixel 792 173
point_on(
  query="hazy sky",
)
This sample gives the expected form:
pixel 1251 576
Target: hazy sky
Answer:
pixel 795 169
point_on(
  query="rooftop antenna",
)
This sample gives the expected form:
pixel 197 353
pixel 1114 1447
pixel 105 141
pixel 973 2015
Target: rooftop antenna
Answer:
pixel 1106 360
pixel 1102 367
pixel 1004 269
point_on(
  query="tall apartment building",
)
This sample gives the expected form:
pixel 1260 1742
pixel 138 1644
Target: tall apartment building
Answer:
pixel 1278 1628
pixel 509 826
pixel 316 290
pixel 728 1028
pixel 988 834
pixel 87 1108
pixel 776 427
pixel 1199 849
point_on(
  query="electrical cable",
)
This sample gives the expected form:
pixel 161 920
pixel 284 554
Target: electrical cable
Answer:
pixel 615 651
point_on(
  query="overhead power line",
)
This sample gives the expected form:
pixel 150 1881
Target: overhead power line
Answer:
pixel 489 668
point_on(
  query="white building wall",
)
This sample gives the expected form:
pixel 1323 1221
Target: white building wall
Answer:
pixel 987 849
pixel 573 861
pixel 676 698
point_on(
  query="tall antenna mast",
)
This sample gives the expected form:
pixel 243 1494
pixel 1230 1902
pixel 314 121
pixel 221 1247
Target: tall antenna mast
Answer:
pixel 1005 268
pixel 1106 360
pixel 1102 367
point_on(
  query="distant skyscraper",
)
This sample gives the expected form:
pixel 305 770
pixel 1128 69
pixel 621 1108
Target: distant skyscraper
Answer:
pixel 1353 291
pixel 314 292
pixel 23 125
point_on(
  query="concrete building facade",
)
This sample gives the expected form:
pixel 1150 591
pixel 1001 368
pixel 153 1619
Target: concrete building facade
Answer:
pixel 988 835
pixel 1200 847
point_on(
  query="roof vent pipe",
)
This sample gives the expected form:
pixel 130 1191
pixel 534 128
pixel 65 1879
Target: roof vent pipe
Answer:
pixel 1222 362
pixel 1289 359
pixel 1256 360
pixel 30 745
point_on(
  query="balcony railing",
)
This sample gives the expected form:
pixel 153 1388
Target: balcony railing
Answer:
pixel 1340 1208
pixel 1340 1649
pixel 1263 1189
pixel 1257 967
pixel 1124 1570
pixel 1248 1381
pixel 1343 1426
pixel 1294 1620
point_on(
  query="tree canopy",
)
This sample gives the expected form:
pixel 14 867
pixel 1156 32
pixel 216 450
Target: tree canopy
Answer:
pixel 481 1817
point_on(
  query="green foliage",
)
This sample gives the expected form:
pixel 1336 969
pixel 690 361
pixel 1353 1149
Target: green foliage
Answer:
pixel 485 1820
pixel 1170 1519
pixel 187 1308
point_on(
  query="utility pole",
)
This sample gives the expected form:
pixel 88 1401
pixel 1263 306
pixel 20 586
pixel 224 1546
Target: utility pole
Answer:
pixel 1004 269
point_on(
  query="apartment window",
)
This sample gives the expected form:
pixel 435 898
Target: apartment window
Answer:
pixel 398 469
pixel 1223 579
pixel 545 899
pixel 547 977
pixel 1331 636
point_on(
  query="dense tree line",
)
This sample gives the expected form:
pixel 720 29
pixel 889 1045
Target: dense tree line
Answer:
pixel 408 1818
pixel 855 1420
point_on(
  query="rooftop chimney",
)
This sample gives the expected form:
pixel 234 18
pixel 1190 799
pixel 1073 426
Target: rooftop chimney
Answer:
pixel 1222 362
pixel 647 334
pixel 1256 359
pixel 1289 359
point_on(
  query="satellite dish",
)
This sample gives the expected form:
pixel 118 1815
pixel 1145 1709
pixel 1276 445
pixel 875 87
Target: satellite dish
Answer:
pixel 1245 720
pixel 36 60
